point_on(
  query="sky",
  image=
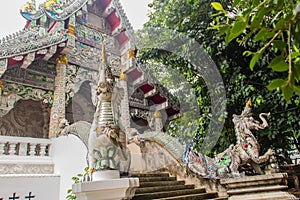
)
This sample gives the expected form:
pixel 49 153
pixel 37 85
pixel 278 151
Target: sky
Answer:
pixel 11 20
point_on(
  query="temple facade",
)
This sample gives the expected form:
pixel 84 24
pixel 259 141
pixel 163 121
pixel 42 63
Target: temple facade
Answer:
pixel 57 81
pixel 49 71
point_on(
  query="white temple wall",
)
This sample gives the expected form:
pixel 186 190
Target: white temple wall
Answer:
pixel 137 163
pixel 35 186
pixel 69 157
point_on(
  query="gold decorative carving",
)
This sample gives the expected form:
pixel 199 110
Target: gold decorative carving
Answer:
pixel 71 30
pixel 157 114
pixel 62 59
pixel 132 53
pixel 1 86
pixel 123 77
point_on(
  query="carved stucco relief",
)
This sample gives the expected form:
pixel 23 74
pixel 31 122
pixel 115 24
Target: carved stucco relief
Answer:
pixel 27 119
pixel 26 168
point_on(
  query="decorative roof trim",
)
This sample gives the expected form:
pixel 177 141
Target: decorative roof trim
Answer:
pixel 64 11
pixel 22 44
pixel 173 101
pixel 29 11
pixel 125 23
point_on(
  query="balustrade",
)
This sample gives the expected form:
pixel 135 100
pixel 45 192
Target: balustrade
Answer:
pixel 24 146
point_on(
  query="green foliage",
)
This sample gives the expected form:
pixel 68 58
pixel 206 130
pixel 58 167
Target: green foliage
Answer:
pixel 273 25
pixel 77 179
pixel 198 19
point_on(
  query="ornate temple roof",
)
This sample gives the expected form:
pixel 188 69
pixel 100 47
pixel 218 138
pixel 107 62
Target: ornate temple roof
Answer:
pixel 77 28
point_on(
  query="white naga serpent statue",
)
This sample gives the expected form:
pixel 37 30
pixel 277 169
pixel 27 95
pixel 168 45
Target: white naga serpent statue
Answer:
pixel 245 151
pixel 105 142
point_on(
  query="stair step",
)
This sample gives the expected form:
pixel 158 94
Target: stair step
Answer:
pixel 257 189
pixel 153 179
pixel 258 180
pixel 163 188
pixel 165 194
pixel 205 196
pixel 160 183
pixel 278 195
pixel 149 175
pixel 219 198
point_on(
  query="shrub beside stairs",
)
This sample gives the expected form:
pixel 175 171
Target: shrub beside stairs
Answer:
pixel 162 186
pixel 259 187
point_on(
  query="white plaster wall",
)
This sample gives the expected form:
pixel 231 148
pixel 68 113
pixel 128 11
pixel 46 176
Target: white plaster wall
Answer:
pixel 137 164
pixel 69 157
pixel 43 187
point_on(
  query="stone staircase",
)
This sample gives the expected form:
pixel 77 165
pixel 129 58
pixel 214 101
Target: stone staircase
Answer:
pixel 162 186
pixel 260 187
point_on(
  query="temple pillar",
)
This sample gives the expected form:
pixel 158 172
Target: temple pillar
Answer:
pixel 59 100
pixel 125 115
pixel 158 123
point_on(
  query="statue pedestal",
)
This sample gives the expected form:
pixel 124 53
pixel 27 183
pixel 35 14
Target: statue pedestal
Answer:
pixel 105 175
pixel 112 189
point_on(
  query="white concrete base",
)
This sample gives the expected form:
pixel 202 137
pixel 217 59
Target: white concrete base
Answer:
pixel 105 175
pixel 113 189
pixel 41 186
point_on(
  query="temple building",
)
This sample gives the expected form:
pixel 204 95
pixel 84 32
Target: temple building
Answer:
pixel 48 70
pixel 57 81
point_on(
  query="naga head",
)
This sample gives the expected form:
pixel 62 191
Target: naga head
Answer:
pixel 248 121
pixel 247 109
pixel 245 114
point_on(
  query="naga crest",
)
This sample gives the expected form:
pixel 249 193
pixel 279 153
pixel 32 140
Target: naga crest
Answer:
pixel 106 79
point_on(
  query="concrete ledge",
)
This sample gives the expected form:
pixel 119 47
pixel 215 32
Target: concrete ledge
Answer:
pixel 113 189
pixel 254 178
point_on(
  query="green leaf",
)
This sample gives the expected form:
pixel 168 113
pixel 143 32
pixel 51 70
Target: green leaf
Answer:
pixel 255 2
pixel 258 18
pixel 280 23
pixel 296 71
pixel 277 83
pixel 296 49
pixel 287 92
pixel 279 44
pixel 283 22
pixel 217 6
pixel 260 35
pixel 237 29
pixel 235 3
pixel 246 14
pixel 247 53
pixel 254 59
pixel 281 67
pixel 275 61
pixel 278 64
pixel 223 30
pixel 297 89
pixel 296 31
